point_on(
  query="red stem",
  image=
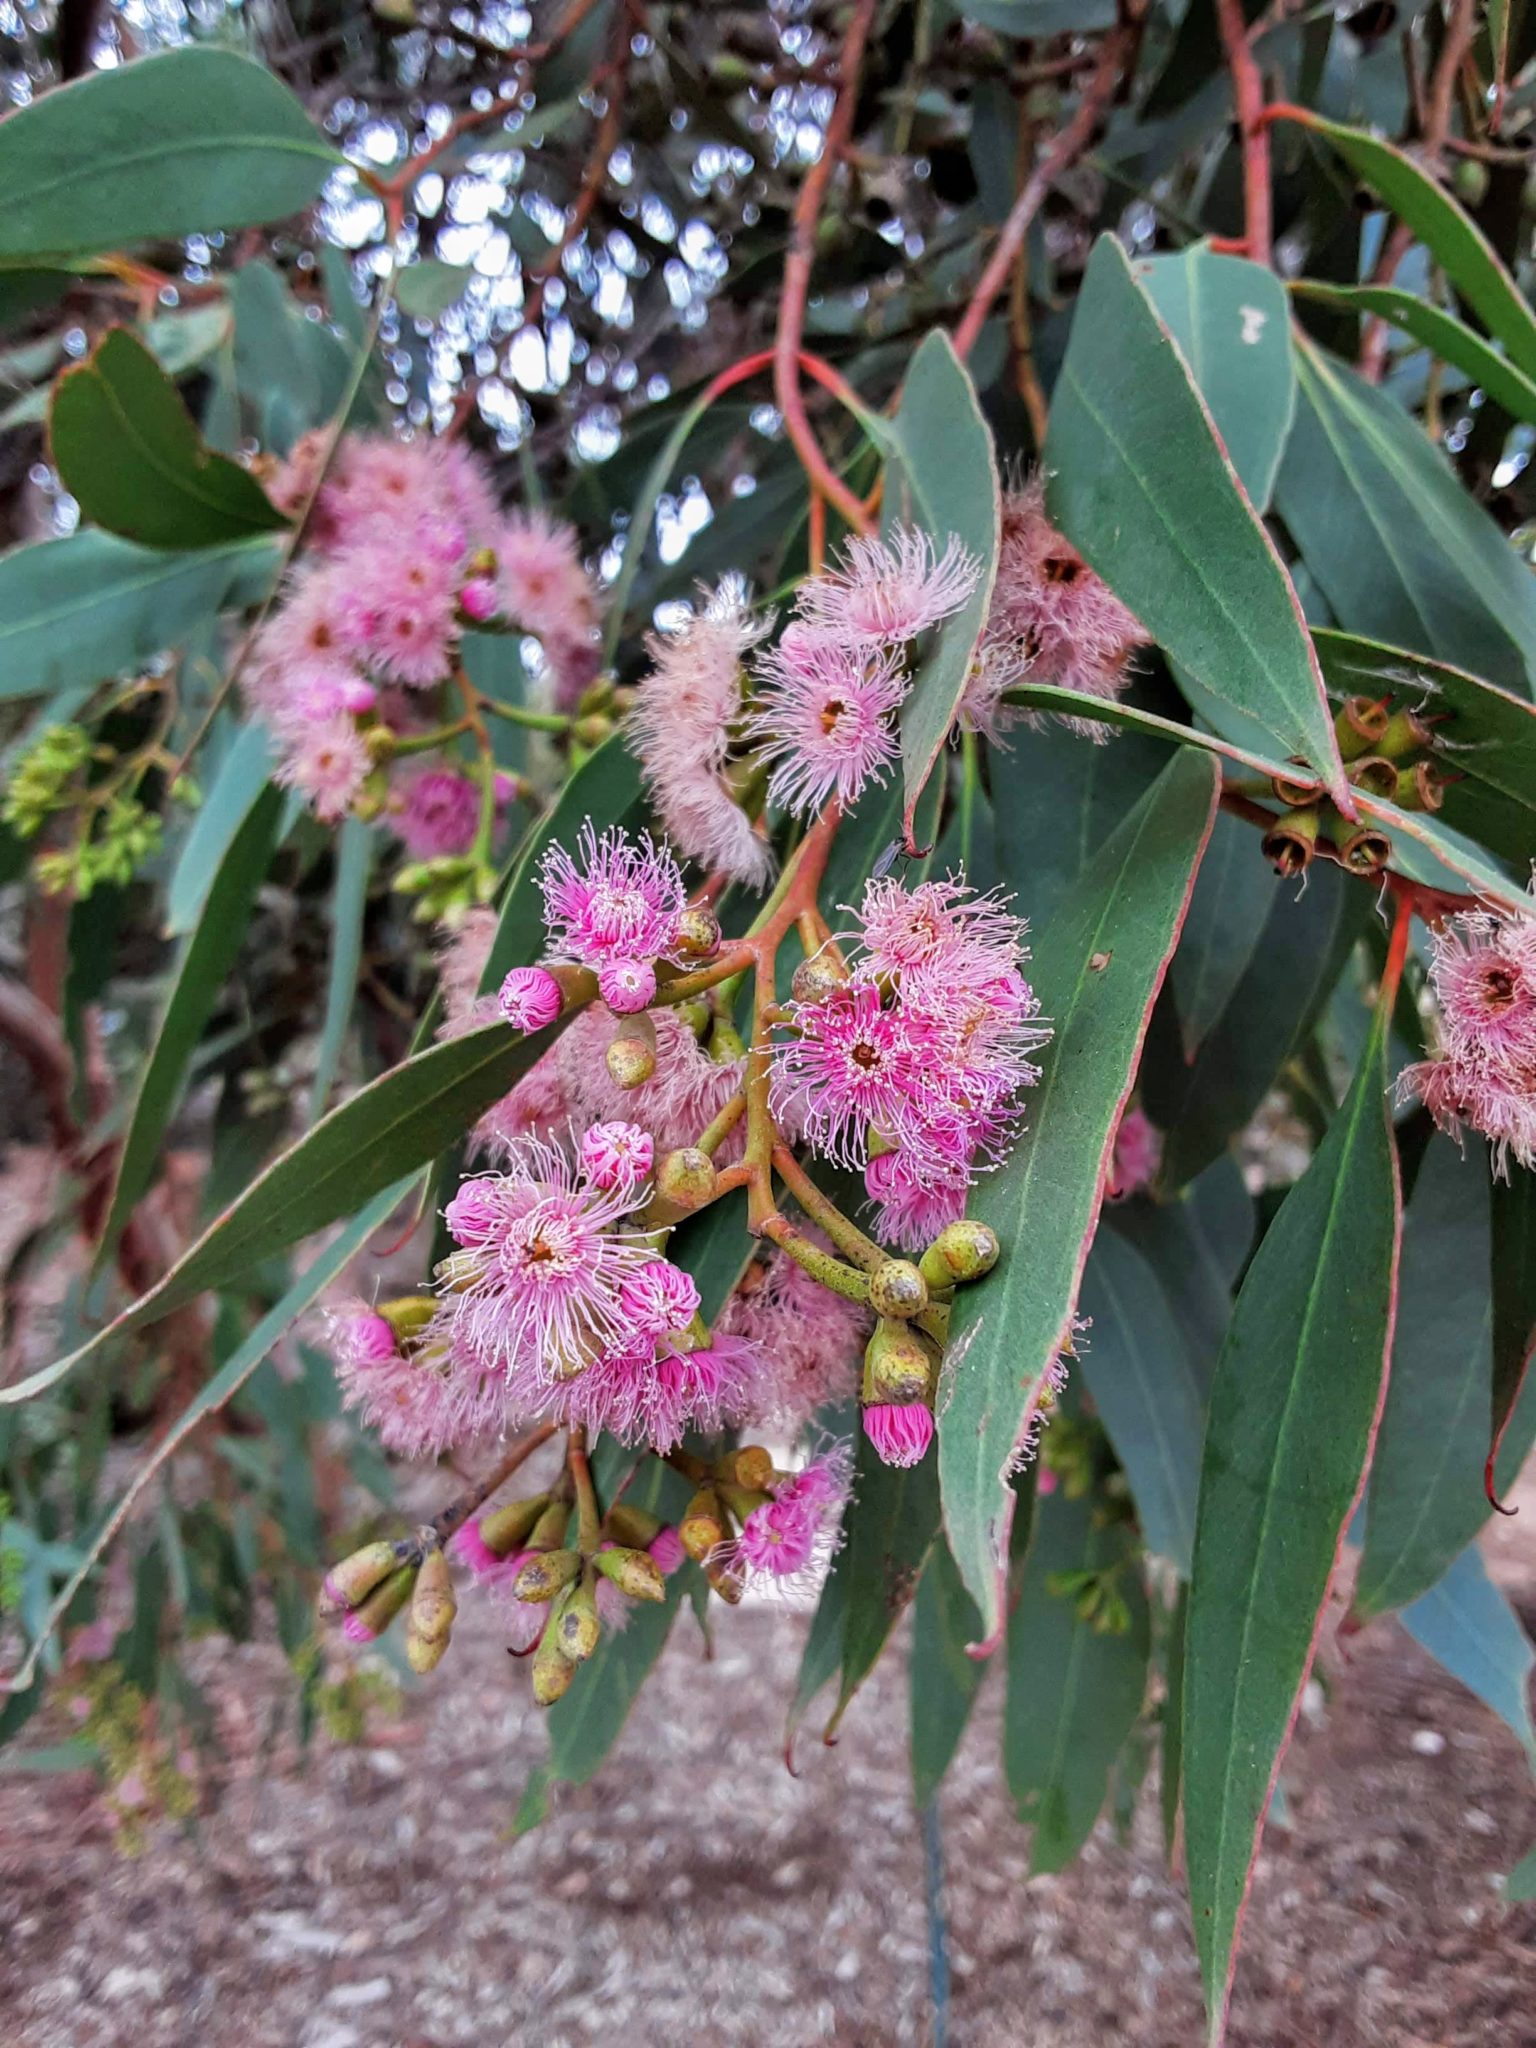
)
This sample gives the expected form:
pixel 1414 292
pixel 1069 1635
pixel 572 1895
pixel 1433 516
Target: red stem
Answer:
pixel 1248 91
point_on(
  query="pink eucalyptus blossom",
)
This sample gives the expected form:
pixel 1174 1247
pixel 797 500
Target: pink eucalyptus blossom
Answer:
pixel 824 718
pixel 618 1154
pixel 328 765
pixel 626 985
pixel 888 591
pixel 529 998
pixel 788 1542
pixel 900 1432
pixel 810 1340
pixel 615 901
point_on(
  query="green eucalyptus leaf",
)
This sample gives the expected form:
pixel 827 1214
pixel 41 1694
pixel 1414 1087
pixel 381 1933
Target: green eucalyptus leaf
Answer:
pixel 944 1678
pixel 184 143
pixel 1292 1416
pixel 1468 1626
pixel 349 906
pixel 1513 1258
pixel 1097 970
pixel 1074 1692
pixel 888 1539
pixel 1140 484
pixel 1440 332
pixel 1234 892
pixel 242 774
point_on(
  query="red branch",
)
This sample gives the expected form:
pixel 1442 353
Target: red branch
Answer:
pixel 1248 91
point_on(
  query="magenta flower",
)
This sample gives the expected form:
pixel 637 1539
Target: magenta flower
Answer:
pixel 913 1201
pixel 788 1542
pixel 890 590
pixel 900 1433
pixel 851 1065
pixel 659 1299
pixel 617 1155
pixel 645 1394
pixel 935 923
pixel 436 811
pixel 627 985
pixel 529 998
pixel 616 902
pixel 824 717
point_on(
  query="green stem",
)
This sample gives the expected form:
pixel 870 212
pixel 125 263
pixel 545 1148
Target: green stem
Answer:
pixel 821 1209
pixel 425 742
pixel 589 1522
pixel 518 714
pixel 715 1134
pixel 822 1266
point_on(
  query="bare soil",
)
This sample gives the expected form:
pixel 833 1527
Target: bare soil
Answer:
pixel 696 1893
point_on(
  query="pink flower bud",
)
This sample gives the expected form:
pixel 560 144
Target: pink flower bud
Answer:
pixel 627 985
pixel 473 1214
pixel 503 788
pixel 358 695
pixel 901 1435
pixel 371 1340
pixel 478 599
pixel 659 1297
pixel 530 998
pixel 666 1551
pixel 617 1154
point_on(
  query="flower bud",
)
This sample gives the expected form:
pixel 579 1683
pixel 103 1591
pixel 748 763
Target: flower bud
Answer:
pixel 541 1578
pixel 627 985
pixel 632 1527
pixel 898 1365
pixel 962 1251
pixel 577 1628
pixel 900 1433
pixel 408 1316
pixel 1358 725
pixel 549 1530
pixel 632 1572
pixel 703 1524
pixel 433 1608
pixel 698 933
pixel 355 1577
pixel 727 1581
pixel 818 977
pixel 751 1466
pixel 897 1288
pixel 529 998
pixel 365 1624
pixel 726 1044
pixel 591 731
pixel 695 1013
pixel 552 1670
pixel 630 1061
pixel 508 1528
pixel 686 1178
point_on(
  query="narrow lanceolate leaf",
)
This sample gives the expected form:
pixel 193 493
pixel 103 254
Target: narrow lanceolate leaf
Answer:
pixel 128 450
pixel 1398 548
pixel 944 1680
pixel 349 906
pixel 1147 1389
pixel 1139 482
pixel 1197 1245
pixel 1298 1391
pixel 1426 1500
pixel 944 479
pixel 1467 1625
pixel 1136 718
pixel 174 145
pixel 1233 327
pixel 605 789
pixel 76 611
pixel 1234 893
pixel 1514 1312
pixel 1056 801
pixel 1097 970
pixel 1073 1693
pixel 1452 236
pixel 206 958
pixel 386 1130
pixel 242 774
pixel 1426 850
pixel 222 1388
pixel 1440 332
pixel 1485 736
pixel 888 1539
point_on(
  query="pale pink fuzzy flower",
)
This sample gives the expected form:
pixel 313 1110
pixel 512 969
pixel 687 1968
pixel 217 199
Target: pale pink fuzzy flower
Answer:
pixel 621 902
pixel 435 811
pixel 471 1550
pixel 937 922
pixel 405 1400
pixel 1499 1101
pixel 824 716
pixel 627 985
pixel 660 1299
pixel 322 621
pixel 545 587
pixel 788 1542
pixel 538 1107
pixel 328 765
pixel 1483 972
pixel 649 1394
pixel 913 1203
pixel 313 694
pixel 809 1339
pixel 852 1064
pixel 1138 1152
pixel 359 1337
pixel 529 998
pixel 461 969
pixel 381 488
pixel 888 591
pixel 613 1610
pixel 680 731
pixel 413 602
pixel 683 1096
pixel 1048 603
pixel 900 1433
pixel 617 1154
pixel 997 667
pixel 537 1285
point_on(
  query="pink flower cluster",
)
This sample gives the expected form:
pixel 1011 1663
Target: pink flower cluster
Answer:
pixel 406 549
pixel 1137 1154
pixel 911 1068
pixel 1484 977
pixel 787 1542
pixel 617 908
pixel 1051 618
pixel 824 698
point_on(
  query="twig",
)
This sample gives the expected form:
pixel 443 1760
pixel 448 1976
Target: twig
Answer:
pixel 795 291
pixel 1248 92
pixel 1063 152
pixel 458 1511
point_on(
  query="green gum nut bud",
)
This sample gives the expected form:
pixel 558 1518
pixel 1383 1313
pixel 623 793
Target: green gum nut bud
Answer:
pixel 637 1576
pixel 1469 181
pixel 552 1670
pixel 632 1527
pixel 355 1577
pixel 898 1367
pixel 593 730
pixel 577 1628
pixel 510 1527
pixel 379 742
pixel 549 1530
pixel 962 1251
pixel 433 1608
pixel 817 978
pixel 630 1061
pixel 541 1578
pixel 751 1466
pixel 897 1288
pixel 703 1524
pixel 698 933
pixel 686 1178
pixel 365 1624
pixel 409 1315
